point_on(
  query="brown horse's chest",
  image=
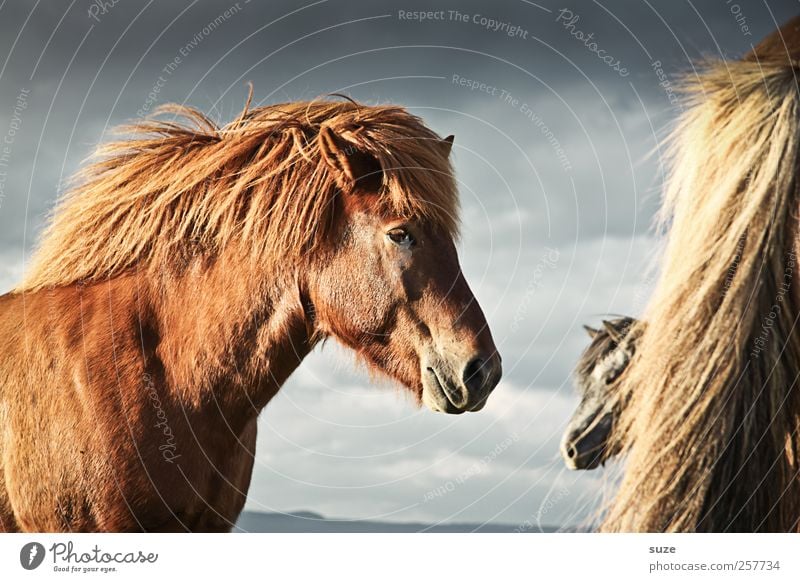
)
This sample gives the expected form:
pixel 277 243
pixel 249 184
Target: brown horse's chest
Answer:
pixel 116 417
pixel 192 486
pixel 94 440
pixel 193 480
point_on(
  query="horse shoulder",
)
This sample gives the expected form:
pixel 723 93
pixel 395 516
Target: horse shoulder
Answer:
pixel 70 355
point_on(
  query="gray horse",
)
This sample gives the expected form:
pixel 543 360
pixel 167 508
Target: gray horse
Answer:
pixel 585 442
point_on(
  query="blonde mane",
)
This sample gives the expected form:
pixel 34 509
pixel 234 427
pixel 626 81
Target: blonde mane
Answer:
pixel 263 182
pixel 711 427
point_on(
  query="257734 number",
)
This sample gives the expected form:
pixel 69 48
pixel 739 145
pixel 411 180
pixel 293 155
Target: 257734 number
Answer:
pixel 757 565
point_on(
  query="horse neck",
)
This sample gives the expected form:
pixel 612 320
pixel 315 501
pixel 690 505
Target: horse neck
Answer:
pixel 230 333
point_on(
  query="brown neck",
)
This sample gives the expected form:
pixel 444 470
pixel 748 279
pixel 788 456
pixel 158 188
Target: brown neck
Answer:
pixel 231 335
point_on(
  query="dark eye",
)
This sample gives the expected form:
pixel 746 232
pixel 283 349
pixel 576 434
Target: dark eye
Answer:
pixel 401 237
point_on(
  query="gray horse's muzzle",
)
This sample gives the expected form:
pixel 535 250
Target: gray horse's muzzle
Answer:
pixel 585 448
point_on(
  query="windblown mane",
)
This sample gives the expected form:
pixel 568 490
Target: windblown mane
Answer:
pixel 714 408
pixel 261 182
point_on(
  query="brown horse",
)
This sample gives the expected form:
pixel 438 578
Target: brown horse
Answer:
pixel 189 272
pixel 712 420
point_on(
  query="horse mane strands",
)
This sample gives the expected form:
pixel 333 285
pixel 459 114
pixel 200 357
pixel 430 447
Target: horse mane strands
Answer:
pixel 173 183
pixel 711 428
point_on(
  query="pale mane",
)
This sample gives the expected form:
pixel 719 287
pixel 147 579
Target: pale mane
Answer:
pixel 260 182
pixel 711 424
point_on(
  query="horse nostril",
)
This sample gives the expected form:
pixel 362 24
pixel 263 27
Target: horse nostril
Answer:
pixel 572 452
pixel 474 374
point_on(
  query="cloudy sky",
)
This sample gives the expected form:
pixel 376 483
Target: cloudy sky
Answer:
pixel 556 153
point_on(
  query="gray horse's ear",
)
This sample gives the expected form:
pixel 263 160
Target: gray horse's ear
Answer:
pixel 447 144
pixel 591 331
pixel 613 332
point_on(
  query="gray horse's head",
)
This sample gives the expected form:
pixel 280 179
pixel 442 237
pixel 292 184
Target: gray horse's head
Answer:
pixel 585 444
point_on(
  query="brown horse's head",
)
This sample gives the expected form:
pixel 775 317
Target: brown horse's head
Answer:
pixel 390 286
pixel 352 206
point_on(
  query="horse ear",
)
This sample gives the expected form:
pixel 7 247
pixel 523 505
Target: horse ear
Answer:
pixel 613 332
pixel 447 144
pixel 591 331
pixel 350 166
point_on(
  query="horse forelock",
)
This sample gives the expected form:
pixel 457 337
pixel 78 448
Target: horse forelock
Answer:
pixel 604 354
pixel 176 185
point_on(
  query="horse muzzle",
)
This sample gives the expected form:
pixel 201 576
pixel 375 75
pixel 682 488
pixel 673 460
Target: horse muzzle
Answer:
pixel 587 448
pixel 456 387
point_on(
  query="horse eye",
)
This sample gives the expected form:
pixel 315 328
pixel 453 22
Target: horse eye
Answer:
pixel 401 237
